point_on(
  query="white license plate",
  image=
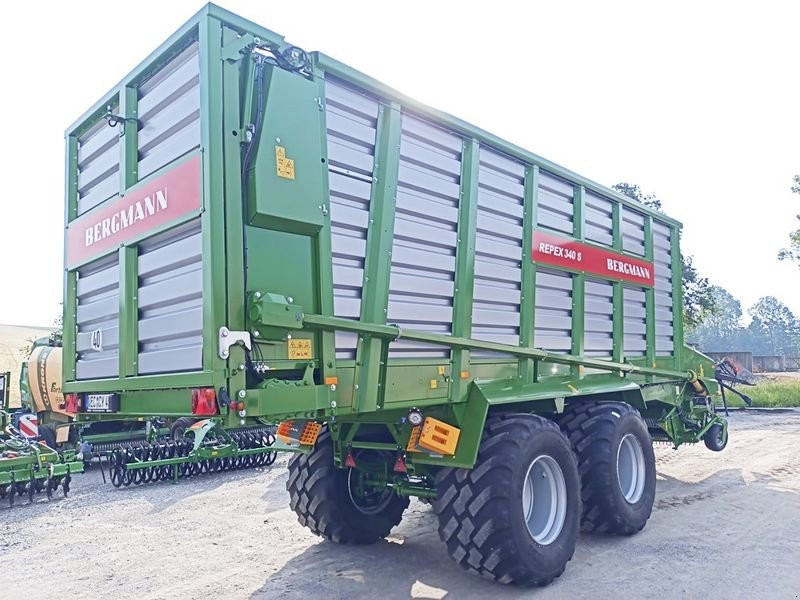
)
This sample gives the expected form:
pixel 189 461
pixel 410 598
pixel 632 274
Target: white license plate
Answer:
pixel 98 402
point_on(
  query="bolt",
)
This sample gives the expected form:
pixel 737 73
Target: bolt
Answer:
pixel 242 394
pixel 258 295
pixel 356 386
pixel 277 139
pixel 241 367
pixel 288 336
pixel 333 387
pixel 224 332
pixel 256 333
pixel 333 403
pixel 290 299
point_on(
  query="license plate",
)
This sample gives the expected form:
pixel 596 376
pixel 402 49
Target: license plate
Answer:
pixel 100 403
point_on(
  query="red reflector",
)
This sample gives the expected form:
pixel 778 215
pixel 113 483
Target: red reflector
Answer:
pixel 350 461
pixel 72 403
pixel 400 465
pixel 204 401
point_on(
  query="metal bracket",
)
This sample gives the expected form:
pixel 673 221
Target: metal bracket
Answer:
pixel 228 338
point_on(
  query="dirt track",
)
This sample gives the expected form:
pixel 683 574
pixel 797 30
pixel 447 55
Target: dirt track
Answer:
pixel 724 526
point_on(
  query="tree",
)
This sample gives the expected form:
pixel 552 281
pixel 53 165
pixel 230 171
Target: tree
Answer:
pixel 721 330
pixel 793 251
pixel 774 329
pixel 698 299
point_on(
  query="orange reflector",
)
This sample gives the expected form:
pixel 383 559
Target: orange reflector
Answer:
pixel 310 433
pixel 331 380
pixel 285 431
pixel 350 461
pixel 414 439
pixel 464 374
pixel 299 432
pixel 437 436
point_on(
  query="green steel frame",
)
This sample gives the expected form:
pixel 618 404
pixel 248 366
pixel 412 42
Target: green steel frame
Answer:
pixel 371 391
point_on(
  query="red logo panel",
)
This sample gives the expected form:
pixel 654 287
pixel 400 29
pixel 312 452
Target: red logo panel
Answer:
pixel 563 252
pixel 143 208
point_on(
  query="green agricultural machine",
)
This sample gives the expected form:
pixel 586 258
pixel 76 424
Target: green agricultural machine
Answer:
pixel 27 466
pixel 257 235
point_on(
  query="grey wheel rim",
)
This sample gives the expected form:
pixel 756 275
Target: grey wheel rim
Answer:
pixel 544 499
pixel 631 468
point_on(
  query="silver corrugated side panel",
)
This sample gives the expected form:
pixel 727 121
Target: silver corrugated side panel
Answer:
pixel 97 319
pixel 352 118
pixel 555 204
pixel 662 257
pixel 170 300
pixel 598 214
pixel 598 320
pixel 632 231
pixel 169 112
pixel 98 164
pixel 498 250
pixel 553 313
pixel 634 322
pixel 422 275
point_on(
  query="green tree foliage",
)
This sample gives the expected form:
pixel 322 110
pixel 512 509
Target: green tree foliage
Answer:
pixel 698 299
pixel 793 251
pixel 774 329
pixel 722 329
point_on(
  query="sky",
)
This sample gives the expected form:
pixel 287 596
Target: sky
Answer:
pixel 696 102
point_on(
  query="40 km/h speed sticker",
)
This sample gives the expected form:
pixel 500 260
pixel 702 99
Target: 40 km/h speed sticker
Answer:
pixel 300 350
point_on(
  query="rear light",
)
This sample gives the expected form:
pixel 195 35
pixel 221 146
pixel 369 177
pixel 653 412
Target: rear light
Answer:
pixel 204 401
pixel 72 403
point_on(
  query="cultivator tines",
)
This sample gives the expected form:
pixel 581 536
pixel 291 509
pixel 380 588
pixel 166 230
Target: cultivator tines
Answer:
pixel 28 468
pixel 205 449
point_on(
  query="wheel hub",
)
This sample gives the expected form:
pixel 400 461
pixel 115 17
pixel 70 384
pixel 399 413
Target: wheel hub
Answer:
pixel 631 468
pixel 544 500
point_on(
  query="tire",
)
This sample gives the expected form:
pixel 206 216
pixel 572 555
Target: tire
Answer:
pixel 482 511
pixel 179 427
pixel 716 438
pixel 320 494
pixel 48 436
pixel 617 465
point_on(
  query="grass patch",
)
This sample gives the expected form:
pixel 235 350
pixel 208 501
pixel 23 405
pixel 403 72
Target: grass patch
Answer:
pixel 770 392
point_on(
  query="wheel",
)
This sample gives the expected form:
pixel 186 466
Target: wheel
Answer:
pixel 716 438
pixel 178 428
pixel 617 465
pixel 338 504
pixel 515 516
pixel 48 436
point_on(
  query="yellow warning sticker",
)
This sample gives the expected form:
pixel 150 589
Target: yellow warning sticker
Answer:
pixel 285 166
pixel 300 350
pixel 434 384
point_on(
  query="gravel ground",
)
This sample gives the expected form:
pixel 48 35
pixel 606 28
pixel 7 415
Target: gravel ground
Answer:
pixel 724 525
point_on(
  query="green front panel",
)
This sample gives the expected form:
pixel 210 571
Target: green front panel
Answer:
pixel 285 183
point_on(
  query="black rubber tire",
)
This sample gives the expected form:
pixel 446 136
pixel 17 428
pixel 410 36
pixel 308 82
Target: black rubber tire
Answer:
pixel 595 430
pixel 48 436
pixel 319 495
pixel 480 510
pixel 179 427
pixel 716 438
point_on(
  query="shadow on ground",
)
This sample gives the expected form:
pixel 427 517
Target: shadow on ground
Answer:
pixel 413 563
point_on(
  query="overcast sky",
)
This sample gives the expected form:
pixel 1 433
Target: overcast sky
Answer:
pixel 696 102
